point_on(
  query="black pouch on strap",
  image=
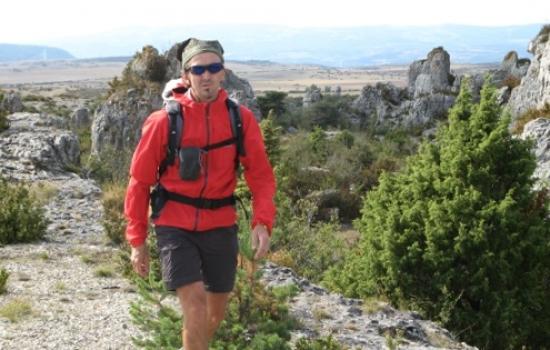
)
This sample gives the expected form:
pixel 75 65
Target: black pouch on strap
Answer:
pixel 158 200
pixel 190 163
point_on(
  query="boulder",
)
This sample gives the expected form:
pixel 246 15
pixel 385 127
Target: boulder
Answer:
pixel 352 322
pixel 538 130
pixel 81 118
pixel 534 90
pixel 431 75
pixel 34 143
pixel 431 91
pixel 11 102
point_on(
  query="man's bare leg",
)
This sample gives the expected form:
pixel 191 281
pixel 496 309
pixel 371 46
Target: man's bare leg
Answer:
pixel 192 299
pixel 215 306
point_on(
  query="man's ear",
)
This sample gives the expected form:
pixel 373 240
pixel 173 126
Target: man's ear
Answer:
pixel 185 80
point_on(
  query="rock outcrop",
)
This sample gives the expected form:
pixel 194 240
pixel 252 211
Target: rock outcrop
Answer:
pixel 37 143
pixel 534 90
pixel 11 102
pixel 117 123
pixel 353 323
pixel 538 130
pixel 431 91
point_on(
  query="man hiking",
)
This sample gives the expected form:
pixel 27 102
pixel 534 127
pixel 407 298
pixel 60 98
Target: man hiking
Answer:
pixel 194 177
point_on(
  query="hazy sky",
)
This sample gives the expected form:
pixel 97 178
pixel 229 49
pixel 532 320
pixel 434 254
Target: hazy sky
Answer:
pixel 34 21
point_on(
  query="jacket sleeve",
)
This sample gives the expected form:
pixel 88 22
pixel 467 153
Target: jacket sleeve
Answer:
pixel 258 172
pixel 143 174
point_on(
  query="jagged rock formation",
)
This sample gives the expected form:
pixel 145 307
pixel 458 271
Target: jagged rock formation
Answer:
pixel 39 143
pixel 431 91
pixel 351 322
pixel 534 90
pixel 539 131
pixel 512 70
pixel 432 75
pixel 117 123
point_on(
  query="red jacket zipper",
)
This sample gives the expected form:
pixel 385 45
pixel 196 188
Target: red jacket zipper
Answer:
pixel 207 116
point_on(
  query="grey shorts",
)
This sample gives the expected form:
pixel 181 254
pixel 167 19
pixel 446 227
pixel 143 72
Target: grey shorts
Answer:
pixel 209 256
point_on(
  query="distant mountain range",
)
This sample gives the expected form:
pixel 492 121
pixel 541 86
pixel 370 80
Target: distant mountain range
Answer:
pixel 338 47
pixel 12 52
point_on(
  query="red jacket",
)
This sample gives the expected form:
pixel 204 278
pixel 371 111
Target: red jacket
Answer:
pixel 205 123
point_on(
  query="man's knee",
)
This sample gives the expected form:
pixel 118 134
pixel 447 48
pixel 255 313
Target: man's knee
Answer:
pixel 193 299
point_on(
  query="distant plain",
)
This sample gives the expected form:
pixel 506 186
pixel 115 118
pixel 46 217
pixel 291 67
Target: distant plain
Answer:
pixel 263 76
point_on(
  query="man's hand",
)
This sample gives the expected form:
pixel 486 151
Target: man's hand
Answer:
pixel 140 260
pixel 260 241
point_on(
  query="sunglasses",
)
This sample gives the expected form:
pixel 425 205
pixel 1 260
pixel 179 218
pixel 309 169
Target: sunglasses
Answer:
pixel 212 68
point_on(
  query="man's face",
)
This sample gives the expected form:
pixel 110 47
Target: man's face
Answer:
pixel 204 86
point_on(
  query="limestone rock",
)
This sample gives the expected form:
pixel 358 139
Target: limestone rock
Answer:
pixel 431 91
pixel 381 104
pixel 431 75
pixel 539 131
pixel 12 102
pixel 117 123
pixel 80 118
pixel 312 95
pixel 534 90
pixel 348 321
pixel 33 143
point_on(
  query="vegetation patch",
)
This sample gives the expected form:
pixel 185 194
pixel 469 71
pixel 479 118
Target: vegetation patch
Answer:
pixel 21 216
pixel 16 310
pixel 4 274
pixel 531 114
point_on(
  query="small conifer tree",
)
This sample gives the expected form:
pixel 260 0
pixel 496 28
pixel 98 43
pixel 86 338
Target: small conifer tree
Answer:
pixel 460 234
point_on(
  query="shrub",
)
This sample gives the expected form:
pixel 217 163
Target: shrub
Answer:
pixel 114 222
pixel 460 235
pixel 21 219
pixel 4 123
pixel 312 247
pixel 3 280
pixel 16 310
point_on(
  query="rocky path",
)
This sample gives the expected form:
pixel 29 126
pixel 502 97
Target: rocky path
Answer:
pixel 76 299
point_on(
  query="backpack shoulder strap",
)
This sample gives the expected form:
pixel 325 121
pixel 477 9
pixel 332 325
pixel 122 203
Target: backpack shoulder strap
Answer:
pixel 236 125
pixel 175 130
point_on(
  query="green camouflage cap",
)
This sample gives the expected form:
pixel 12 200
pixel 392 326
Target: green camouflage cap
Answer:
pixel 192 47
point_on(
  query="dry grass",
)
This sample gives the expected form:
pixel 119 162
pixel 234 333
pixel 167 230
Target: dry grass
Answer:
pixel 16 309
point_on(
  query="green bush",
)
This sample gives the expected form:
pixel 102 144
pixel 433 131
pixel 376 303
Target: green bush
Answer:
pixel 3 280
pixel 460 234
pixel 313 247
pixel 4 123
pixel 327 343
pixel 21 219
pixel 114 222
